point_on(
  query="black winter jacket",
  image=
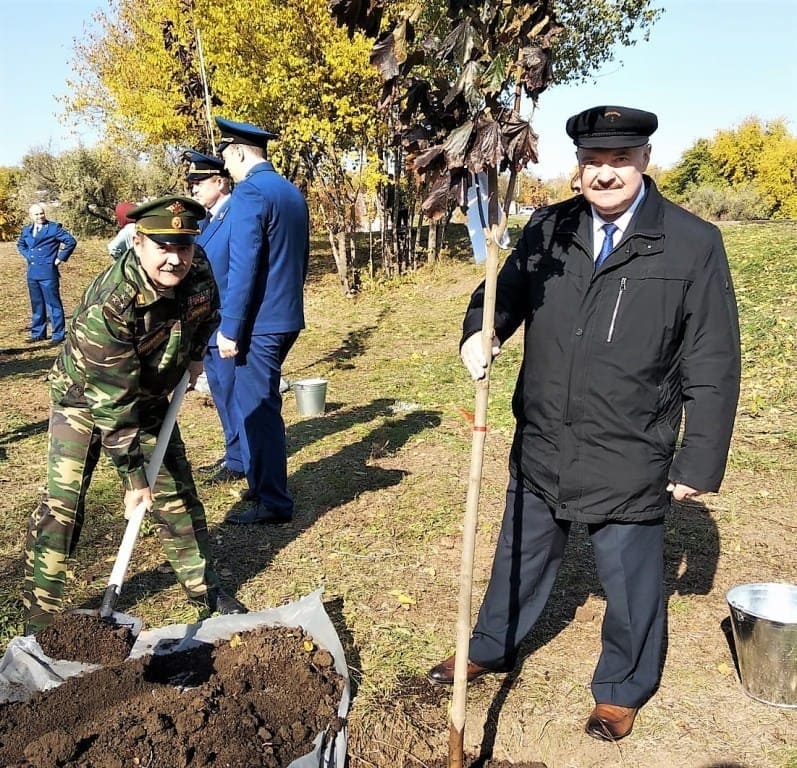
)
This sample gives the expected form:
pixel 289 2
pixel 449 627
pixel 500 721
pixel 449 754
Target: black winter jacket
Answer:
pixel 612 358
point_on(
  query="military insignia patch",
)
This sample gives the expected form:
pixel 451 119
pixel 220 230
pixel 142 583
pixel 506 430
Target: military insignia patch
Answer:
pixel 177 223
pixel 176 207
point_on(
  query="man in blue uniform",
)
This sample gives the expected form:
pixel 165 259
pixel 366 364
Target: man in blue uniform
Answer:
pixel 262 310
pixel 210 186
pixel 45 245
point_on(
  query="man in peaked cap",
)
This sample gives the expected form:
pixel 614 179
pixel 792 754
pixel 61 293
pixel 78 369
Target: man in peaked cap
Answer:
pixel 210 185
pixel 629 320
pixel 139 325
pixel 262 311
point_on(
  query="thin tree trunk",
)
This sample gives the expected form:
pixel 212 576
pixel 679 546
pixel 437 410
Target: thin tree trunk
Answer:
pixel 460 694
pixel 339 254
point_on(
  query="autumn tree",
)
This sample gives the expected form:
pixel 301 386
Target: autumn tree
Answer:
pixel 749 171
pixel 86 184
pixel 284 66
pixel 11 218
pixel 764 155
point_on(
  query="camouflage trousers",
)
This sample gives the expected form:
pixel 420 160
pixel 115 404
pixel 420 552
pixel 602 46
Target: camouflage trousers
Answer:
pixel 54 528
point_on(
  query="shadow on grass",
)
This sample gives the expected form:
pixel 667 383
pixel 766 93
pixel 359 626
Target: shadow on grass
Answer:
pixel 353 346
pixel 339 419
pixel 24 367
pixel 691 552
pixel 29 430
pixel 319 486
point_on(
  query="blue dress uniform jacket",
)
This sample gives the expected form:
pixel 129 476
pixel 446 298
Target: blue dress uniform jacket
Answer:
pixel 215 239
pixel 40 252
pixel 613 356
pixel 265 276
pixel 263 310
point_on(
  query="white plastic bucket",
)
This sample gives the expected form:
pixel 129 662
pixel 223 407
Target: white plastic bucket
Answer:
pixel 764 621
pixel 311 396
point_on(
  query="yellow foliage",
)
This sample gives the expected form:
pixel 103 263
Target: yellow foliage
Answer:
pixel 764 155
pixel 282 65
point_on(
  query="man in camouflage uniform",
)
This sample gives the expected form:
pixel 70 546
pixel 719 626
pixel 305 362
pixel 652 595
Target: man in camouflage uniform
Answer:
pixel 140 324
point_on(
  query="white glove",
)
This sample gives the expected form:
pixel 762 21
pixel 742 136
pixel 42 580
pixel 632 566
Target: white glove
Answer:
pixel 473 356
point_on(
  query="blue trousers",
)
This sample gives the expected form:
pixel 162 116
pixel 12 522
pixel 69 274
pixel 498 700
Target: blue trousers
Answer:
pixel 221 378
pixel 45 298
pixel 630 563
pixel 261 428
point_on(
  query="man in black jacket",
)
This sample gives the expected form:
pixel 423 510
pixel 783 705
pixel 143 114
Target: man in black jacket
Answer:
pixel 630 320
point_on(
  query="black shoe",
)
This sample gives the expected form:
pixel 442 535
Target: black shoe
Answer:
pixel 224 475
pixel 257 513
pixel 35 339
pixel 210 468
pixel 56 342
pixel 216 600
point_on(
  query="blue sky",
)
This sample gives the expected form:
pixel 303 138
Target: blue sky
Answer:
pixel 707 66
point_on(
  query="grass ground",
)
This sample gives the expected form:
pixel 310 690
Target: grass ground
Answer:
pixel 380 483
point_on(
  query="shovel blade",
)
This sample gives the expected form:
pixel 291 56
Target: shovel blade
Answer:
pixel 133 623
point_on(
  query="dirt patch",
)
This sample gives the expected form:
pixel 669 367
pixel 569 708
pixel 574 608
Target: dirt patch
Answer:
pixel 258 699
pixel 86 638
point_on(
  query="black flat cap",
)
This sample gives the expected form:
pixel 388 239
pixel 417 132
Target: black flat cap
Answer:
pixel 201 166
pixel 611 127
pixel 242 133
pixel 169 220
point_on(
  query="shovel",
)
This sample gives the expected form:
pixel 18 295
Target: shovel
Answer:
pixel 137 516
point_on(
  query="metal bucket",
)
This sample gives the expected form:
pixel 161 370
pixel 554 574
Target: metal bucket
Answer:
pixel 311 395
pixel 764 621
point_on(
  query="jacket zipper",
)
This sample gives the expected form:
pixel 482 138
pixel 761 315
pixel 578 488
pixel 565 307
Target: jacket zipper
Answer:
pixel 616 309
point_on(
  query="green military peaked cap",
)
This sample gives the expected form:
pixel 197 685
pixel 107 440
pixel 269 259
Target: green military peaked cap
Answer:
pixel 169 220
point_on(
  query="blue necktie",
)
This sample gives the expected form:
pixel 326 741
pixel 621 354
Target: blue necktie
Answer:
pixel 608 243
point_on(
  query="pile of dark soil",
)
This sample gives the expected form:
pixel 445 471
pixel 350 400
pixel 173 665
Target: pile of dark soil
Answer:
pixel 258 699
pixel 87 638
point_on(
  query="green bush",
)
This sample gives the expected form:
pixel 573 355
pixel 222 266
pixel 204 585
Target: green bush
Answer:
pixel 738 203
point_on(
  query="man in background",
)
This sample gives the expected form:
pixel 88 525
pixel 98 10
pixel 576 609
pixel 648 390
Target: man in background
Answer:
pixel 262 310
pixel 123 240
pixel 45 245
pixel 210 187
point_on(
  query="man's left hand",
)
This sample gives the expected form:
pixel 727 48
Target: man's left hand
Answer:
pixel 195 368
pixel 681 492
pixel 227 347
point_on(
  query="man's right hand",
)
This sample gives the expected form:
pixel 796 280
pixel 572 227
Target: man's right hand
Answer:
pixel 473 357
pixel 135 497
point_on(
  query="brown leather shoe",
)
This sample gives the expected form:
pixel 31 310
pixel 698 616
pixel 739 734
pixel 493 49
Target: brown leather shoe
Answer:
pixel 443 673
pixel 610 722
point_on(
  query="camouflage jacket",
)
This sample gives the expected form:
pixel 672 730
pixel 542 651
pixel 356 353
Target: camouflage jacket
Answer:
pixel 127 347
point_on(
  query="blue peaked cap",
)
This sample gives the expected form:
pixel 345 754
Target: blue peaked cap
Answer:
pixel 242 133
pixel 202 166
